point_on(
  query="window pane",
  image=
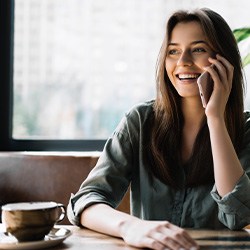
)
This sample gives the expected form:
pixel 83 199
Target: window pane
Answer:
pixel 79 65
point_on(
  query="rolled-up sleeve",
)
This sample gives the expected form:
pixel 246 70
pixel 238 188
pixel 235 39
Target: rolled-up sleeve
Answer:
pixel 110 178
pixel 234 208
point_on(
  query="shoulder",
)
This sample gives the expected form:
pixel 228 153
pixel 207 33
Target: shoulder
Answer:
pixel 142 110
pixel 136 117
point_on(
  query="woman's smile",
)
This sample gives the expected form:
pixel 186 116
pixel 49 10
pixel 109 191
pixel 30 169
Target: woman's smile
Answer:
pixel 188 77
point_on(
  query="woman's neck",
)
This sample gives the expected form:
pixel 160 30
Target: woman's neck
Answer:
pixel 193 115
pixel 193 112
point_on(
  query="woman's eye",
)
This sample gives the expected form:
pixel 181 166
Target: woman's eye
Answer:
pixel 199 50
pixel 173 52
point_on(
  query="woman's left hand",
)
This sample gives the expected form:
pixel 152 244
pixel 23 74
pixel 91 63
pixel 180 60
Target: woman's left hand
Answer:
pixel 221 72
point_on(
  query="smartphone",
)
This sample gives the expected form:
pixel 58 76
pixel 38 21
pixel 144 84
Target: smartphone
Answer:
pixel 205 84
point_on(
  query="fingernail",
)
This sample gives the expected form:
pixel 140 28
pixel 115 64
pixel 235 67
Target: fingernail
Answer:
pixel 193 248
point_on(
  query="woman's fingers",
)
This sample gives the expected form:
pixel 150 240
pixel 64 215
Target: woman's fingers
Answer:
pixel 181 237
pixel 217 69
pixel 221 70
pixel 229 68
pixel 166 240
pixel 173 237
pixel 158 235
pixel 152 243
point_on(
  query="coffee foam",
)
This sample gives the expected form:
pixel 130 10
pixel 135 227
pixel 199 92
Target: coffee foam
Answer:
pixel 29 206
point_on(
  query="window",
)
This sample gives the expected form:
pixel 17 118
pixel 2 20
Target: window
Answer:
pixel 73 60
pixel 71 69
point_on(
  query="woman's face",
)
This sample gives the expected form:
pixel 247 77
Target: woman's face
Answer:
pixel 187 53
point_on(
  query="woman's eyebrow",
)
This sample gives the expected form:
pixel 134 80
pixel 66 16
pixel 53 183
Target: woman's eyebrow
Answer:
pixel 193 43
pixel 199 41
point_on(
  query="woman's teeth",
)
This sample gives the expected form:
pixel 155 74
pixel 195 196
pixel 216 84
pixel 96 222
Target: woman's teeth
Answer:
pixel 188 76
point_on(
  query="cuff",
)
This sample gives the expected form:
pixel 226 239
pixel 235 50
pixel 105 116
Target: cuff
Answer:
pixel 235 200
pixel 76 207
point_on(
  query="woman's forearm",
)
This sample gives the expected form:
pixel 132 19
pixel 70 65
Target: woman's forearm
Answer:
pixel 105 219
pixel 227 167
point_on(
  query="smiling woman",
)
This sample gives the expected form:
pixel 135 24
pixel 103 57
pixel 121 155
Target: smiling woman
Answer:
pixel 187 166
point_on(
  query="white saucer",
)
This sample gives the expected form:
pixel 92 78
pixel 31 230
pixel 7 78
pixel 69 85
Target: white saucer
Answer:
pixel 55 237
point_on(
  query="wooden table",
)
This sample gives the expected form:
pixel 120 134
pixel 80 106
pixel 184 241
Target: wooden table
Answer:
pixel 207 239
pixel 81 239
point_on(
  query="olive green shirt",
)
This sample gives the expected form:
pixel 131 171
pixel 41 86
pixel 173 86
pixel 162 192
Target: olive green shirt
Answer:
pixel 121 165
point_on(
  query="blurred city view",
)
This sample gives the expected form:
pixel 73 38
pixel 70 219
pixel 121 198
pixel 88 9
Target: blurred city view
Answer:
pixel 80 65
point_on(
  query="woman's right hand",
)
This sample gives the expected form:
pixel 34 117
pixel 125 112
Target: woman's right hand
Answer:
pixel 159 235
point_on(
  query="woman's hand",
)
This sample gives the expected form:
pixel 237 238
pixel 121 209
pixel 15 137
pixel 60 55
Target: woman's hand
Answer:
pixel 158 235
pixel 221 72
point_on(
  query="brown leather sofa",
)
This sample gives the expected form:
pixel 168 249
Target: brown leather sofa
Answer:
pixel 45 176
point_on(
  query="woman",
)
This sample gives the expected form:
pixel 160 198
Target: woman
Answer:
pixel 188 167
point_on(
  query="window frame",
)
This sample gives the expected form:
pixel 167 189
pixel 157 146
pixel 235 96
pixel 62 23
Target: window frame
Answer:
pixel 7 143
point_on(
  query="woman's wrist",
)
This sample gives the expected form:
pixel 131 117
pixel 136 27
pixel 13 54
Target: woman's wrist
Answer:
pixel 215 121
pixel 126 225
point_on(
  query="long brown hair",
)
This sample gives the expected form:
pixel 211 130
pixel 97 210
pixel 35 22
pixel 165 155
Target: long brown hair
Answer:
pixel 166 124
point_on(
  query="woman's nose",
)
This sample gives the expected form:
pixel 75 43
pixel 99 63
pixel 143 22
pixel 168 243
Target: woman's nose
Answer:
pixel 185 59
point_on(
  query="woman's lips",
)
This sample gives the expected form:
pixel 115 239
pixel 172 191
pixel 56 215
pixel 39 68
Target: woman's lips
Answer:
pixel 188 76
